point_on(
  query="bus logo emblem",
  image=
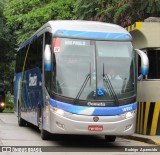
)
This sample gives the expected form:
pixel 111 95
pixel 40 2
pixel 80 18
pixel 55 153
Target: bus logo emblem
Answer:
pixel 96 119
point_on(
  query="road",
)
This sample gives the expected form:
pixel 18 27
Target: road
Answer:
pixel 13 135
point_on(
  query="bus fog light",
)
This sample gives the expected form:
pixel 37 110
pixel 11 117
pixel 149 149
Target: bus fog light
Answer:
pixel 128 114
pixel 60 125
pixel 128 126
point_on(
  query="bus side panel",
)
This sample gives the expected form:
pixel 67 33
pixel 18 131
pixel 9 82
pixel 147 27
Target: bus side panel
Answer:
pixel 17 79
pixel 31 94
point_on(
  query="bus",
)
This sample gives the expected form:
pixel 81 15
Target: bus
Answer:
pixel 63 80
pixel 2 96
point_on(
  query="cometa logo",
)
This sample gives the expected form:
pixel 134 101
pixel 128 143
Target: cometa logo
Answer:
pixel 98 104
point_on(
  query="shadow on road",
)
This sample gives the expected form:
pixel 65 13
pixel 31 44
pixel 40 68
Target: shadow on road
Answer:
pixel 80 142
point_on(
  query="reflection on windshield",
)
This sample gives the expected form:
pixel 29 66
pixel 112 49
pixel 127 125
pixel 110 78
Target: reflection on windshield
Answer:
pixel 118 59
pixel 109 87
pixel 76 58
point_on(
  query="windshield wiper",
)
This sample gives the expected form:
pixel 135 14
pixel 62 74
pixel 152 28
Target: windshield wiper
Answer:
pixel 109 86
pixel 82 87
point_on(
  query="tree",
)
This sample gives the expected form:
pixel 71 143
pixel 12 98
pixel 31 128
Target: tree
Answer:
pixel 25 16
pixel 122 12
pixel 7 52
pixel 85 9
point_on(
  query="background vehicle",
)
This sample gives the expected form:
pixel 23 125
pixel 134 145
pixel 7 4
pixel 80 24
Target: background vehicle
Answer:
pixel 62 79
pixel 2 96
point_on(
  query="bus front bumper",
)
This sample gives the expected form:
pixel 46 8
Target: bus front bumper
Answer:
pixel 61 123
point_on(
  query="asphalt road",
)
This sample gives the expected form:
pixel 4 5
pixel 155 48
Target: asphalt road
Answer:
pixel 13 135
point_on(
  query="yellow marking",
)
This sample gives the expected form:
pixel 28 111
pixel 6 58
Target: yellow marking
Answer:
pixel 146 117
pixel 141 122
pixel 128 29
pixel 136 26
pixel 139 25
pixel 20 95
pixel 138 117
pixel 155 118
pixel 132 27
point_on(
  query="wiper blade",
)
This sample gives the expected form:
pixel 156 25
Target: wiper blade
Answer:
pixel 109 86
pixel 82 87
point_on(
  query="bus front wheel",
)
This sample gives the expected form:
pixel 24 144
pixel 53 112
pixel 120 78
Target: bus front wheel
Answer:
pixel 44 133
pixel 109 138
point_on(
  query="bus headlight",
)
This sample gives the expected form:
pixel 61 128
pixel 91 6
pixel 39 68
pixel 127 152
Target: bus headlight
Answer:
pixel 2 104
pixel 60 112
pixel 128 114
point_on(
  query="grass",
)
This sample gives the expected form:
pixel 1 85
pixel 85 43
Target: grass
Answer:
pixel 8 110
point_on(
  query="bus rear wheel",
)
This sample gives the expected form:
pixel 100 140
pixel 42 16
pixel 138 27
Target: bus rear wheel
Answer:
pixel 21 122
pixel 109 138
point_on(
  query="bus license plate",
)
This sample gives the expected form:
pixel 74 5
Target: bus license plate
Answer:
pixel 95 128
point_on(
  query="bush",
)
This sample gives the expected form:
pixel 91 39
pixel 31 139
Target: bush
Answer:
pixel 9 101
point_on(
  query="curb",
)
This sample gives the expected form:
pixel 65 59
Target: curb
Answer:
pixel 142 139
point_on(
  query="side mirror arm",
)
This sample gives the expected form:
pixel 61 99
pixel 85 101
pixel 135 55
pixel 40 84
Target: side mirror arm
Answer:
pixel 144 62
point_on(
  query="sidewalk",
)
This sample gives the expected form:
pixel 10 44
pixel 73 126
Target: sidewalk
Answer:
pixel 145 138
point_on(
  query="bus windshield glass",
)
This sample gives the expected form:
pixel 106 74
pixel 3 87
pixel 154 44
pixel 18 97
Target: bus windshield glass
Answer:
pixel 87 62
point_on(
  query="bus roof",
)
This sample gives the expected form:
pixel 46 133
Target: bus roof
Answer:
pixel 86 26
pixel 83 29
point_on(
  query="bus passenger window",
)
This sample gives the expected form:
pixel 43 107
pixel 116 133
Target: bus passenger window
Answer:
pixel 18 66
pixel 39 51
pixel 32 56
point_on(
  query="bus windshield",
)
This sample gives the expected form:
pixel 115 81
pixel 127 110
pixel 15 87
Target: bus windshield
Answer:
pixel 76 59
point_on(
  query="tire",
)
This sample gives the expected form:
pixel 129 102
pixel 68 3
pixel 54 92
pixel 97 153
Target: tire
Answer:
pixel 21 122
pixel 110 138
pixel 44 134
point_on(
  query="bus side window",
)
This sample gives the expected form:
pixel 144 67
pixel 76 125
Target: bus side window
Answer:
pixel 39 52
pixel 18 66
pixel 22 57
pixel 32 55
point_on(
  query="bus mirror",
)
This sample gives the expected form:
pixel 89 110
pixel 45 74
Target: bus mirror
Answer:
pixel 144 62
pixel 47 58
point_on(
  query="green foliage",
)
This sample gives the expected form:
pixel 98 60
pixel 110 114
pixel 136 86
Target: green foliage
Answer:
pixel 7 45
pixel 122 12
pixel 26 16
pixel 8 110
pixel 9 99
pixel 85 9
pixel 9 103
